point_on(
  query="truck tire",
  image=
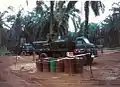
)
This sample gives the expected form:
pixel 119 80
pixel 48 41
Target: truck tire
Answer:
pixel 23 53
pixel 43 55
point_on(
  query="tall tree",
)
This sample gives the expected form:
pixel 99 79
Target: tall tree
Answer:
pixel 2 30
pixel 96 6
pixel 111 27
pixel 51 20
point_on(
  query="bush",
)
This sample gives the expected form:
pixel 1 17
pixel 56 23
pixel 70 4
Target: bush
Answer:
pixel 3 51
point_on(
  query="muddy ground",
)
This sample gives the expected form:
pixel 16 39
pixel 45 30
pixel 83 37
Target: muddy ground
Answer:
pixel 106 71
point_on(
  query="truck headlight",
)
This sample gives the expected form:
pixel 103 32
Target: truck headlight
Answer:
pixel 92 56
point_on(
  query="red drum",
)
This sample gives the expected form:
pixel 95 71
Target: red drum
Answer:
pixel 69 65
pixel 39 66
pixel 79 65
pixel 46 66
pixel 59 66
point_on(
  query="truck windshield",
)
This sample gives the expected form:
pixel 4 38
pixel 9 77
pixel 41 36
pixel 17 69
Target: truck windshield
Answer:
pixel 79 42
pixel 86 40
pixel 29 46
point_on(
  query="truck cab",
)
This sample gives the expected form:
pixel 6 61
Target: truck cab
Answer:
pixel 83 45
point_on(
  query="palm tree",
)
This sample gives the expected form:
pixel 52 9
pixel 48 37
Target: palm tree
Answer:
pixel 51 20
pixel 59 16
pixel 62 15
pixel 96 6
pixel 111 26
pixel 16 21
pixel 35 22
pixel 2 30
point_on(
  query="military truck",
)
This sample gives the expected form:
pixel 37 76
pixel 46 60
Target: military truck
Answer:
pixel 26 48
pixel 59 47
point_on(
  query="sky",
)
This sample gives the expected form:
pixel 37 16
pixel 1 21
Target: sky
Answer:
pixel 31 3
pixel 93 18
pixel 80 5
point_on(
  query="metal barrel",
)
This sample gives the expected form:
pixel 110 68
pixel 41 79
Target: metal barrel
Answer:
pixel 59 66
pixel 68 66
pixel 39 66
pixel 66 69
pixel 46 66
pixel 52 64
pixel 71 66
pixel 79 65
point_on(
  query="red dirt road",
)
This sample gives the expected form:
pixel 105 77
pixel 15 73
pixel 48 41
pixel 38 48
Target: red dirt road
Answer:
pixel 106 70
pixel 7 78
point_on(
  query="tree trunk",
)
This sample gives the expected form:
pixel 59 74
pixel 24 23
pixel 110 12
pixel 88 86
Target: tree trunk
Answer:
pixel 75 34
pixel 51 20
pixel 86 18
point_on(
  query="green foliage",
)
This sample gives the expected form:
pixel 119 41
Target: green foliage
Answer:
pixel 111 27
pixel 93 26
pixel 36 23
pixel 3 51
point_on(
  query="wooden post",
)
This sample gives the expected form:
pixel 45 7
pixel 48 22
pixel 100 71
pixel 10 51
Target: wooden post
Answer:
pixel 34 54
pixel 91 71
pixel 90 64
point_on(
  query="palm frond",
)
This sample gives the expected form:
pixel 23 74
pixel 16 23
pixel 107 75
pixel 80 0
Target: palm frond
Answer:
pixel 60 4
pixel 27 2
pixel 70 5
pixel 96 6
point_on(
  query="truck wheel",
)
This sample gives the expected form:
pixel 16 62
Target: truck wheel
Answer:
pixel 43 55
pixel 23 53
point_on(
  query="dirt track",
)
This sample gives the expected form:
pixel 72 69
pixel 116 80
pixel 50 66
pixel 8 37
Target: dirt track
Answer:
pixel 106 70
